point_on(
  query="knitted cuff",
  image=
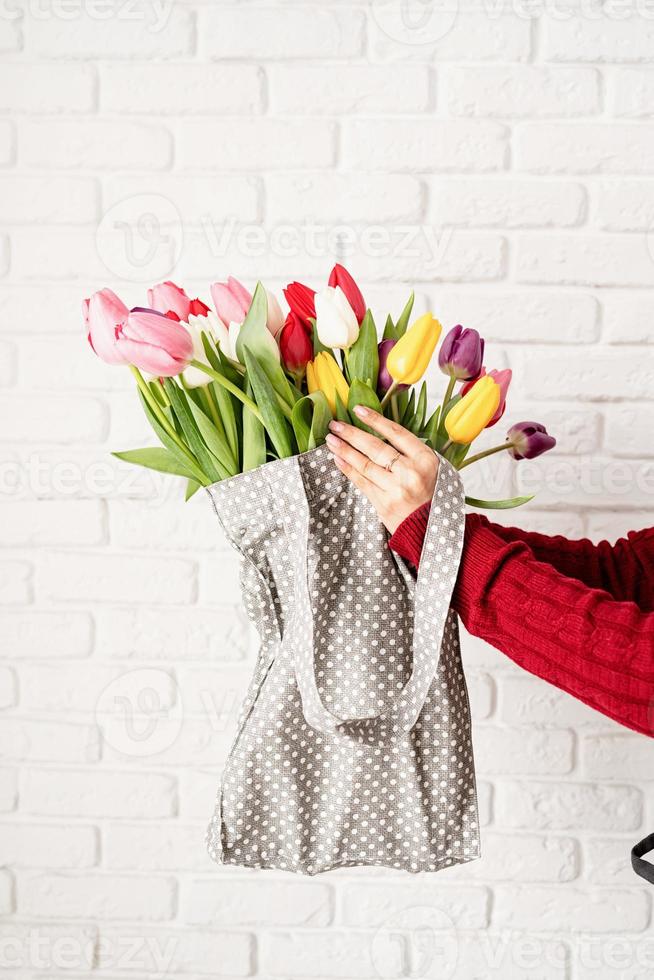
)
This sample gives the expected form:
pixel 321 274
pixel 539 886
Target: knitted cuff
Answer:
pixel 409 536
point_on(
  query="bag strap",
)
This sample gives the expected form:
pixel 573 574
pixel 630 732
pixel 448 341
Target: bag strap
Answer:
pixel 435 583
pixel 643 868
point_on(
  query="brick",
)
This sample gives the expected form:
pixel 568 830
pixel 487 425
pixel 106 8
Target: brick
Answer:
pixel 512 751
pixel 7 364
pixel 577 428
pixel 454 34
pixel 530 701
pixel 94 144
pixel 561 317
pixel 47 946
pixel 52 522
pixel 616 955
pixel 484 802
pixel 46 634
pixel 522 857
pixel 631 92
pixel 61 300
pixel 198 793
pixel 305 90
pixel 70 200
pixel 258 144
pixel 70 419
pixel 570 908
pixel 607 860
pixel 15 581
pixel 591 481
pixel 237 902
pixel 79 686
pixel 628 431
pixel 584 148
pixel 592 374
pixel 626 205
pixel 158 634
pixel 511 955
pixel 616 524
pixel 334 953
pixel 618 756
pixel 6 142
pixel 6 893
pixel 338 197
pixel 34 845
pixel 116 578
pixel 628 319
pixel 478 203
pixel 96 896
pixel 371 905
pixel 8 790
pixel 141 31
pixel 597 260
pixel 5 255
pixel 605 39
pixel 48 741
pixel 567 806
pixel 217 693
pixel 521 91
pixel 156 847
pixel 414 145
pixel 45 88
pixel 167 525
pixel 167 741
pixel 10 37
pixel 283 32
pixel 481 691
pixel 95 793
pixel 197 199
pixel 8 688
pixel 184 89
pixel 176 952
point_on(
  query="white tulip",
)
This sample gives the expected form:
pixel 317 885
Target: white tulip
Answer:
pixel 196 326
pixel 275 320
pixel 336 321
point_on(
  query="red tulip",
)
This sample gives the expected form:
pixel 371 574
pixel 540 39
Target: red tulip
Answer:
pixel 295 344
pixel 339 276
pixel 301 300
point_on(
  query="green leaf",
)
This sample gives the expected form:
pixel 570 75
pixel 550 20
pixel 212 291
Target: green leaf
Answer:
pixel 507 504
pixel 389 329
pixel 190 462
pixel 255 336
pixel 407 415
pixel 363 356
pixel 403 322
pixel 341 410
pixel 430 428
pixel 457 454
pixel 421 409
pixel 229 414
pixel 266 399
pixel 322 416
pixel 191 488
pixel 155 458
pixel 362 394
pixel 215 442
pixel 254 438
pixel 318 346
pixel 181 407
pixel 301 418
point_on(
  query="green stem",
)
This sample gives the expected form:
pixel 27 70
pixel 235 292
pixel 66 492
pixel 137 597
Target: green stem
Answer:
pixel 389 394
pixel 160 414
pixel 487 452
pixel 448 396
pixel 446 446
pixel 395 409
pixel 229 386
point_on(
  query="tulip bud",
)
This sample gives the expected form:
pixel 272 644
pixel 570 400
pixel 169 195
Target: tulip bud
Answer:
pixel 301 300
pixel 384 380
pixel 339 276
pixel 408 359
pixel 324 374
pixel 295 345
pixel 275 318
pixel 461 354
pixel 154 343
pixel 103 314
pixel 336 323
pixel 231 299
pixel 529 439
pixel 166 297
pixel 465 421
pixel 503 379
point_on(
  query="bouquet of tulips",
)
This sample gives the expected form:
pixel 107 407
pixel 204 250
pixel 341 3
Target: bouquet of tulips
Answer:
pixel 229 388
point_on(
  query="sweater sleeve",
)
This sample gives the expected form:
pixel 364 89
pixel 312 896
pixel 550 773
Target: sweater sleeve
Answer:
pixel 579 637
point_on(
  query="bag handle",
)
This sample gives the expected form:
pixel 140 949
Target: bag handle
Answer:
pixel 643 868
pixel 437 574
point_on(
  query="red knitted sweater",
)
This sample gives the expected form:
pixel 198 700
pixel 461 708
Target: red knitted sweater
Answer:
pixel 579 615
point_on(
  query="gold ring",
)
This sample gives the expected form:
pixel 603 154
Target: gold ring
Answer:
pixel 392 461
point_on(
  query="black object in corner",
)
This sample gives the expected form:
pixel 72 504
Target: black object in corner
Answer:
pixel 643 868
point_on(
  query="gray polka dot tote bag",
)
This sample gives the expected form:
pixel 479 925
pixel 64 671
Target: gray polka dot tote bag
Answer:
pixel 353 743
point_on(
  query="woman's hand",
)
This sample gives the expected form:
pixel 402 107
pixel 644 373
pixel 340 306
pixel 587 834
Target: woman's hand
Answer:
pixel 396 478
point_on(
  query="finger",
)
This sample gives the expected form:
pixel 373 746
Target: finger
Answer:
pixel 380 452
pixel 397 435
pixel 362 483
pixel 360 461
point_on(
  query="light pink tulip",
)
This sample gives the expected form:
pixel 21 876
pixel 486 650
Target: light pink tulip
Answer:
pixel 154 343
pixel 232 300
pixel 275 320
pixel 103 314
pixel 166 297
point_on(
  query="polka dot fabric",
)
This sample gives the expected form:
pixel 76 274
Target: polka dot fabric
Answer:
pixel 353 744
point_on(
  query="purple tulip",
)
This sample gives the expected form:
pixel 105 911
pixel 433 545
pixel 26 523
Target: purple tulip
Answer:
pixel 461 354
pixel 529 439
pixel 384 380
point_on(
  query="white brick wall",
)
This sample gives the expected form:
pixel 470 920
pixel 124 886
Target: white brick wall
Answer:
pixel 500 158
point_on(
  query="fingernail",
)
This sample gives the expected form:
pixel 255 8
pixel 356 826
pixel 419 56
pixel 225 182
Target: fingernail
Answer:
pixel 331 440
pixel 336 426
pixel 361 411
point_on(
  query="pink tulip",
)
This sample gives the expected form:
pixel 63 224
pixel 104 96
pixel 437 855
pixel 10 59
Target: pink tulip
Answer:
pixel 154 343
pixel 275 320
pixel 103 314
pixel 166 297
pixel 232 300
pixel 503 379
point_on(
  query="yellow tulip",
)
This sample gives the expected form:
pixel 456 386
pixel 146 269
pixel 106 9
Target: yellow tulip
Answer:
pixel 324 374
pixel 409 358
pixel 472 414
